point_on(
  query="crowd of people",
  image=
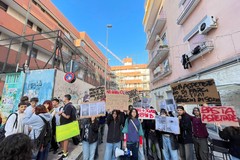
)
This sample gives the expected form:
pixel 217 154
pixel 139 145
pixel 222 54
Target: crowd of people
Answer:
pixel 125 131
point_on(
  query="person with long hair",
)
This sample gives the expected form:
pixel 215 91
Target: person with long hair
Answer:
pixel 115 121
pixel 133 134
pixel 168 142
pixel 16 146
pixel 36 122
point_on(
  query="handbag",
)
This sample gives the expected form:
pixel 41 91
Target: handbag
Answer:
pixel 67 131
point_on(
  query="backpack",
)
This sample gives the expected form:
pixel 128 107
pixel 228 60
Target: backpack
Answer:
pixel 2 129
pixel 45 135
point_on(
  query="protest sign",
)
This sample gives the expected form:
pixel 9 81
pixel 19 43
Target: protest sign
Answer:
pixel 167 104
pixel 92 109
pixel 117 101
pixel 167 124
pixel 132 93
pixel 97 93
pixel 67 131
pixel 196 92
pixel 145 102
pixel 146 113
pixel 115 92
pixel 225 115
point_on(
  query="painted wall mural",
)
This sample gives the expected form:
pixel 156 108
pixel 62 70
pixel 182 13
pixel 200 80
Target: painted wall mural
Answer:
pixel 39 83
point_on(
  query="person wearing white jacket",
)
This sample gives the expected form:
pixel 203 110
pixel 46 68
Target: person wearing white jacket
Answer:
pixel 14 122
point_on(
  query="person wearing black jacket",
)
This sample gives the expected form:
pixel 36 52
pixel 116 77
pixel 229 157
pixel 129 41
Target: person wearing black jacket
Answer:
pixel 115 122
pixel 185 138
pixel 89 137
pixel 231 134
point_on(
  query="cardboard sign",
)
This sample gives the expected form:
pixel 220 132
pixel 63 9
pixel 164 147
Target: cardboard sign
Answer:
pixel 117 101
pixel 132 93
pixel 92 109
pixel 167 124
pixel 225 115
pixel 115 92
pixel 196 92
pixel 97 93
pixel 146 113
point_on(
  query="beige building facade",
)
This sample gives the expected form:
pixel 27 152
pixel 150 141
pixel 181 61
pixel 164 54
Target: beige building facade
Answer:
pixel 193 40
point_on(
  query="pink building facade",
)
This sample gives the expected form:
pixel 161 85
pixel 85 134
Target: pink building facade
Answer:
pixel 206 32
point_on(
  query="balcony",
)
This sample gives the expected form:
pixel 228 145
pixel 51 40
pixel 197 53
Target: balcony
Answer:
pixel 161 54
pixel 156 29
pixel 160 76
pixel 187 11
pixel 200 50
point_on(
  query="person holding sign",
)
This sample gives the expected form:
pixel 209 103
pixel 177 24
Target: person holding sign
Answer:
pixel 169 142
pixel 200 135
pixel 231 134
pixel 133 134
pixel 185 139
pixel 89 137
pixel 115 121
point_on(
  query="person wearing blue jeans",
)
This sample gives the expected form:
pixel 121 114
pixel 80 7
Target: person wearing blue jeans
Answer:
pixel 115 121
pixel 89 137
pixel 168 142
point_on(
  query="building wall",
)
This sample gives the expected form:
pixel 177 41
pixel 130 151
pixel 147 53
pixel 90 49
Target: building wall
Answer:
pixel 224 39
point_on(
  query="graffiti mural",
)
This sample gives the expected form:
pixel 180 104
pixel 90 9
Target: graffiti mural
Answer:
pixel 11 93
pixel 39 83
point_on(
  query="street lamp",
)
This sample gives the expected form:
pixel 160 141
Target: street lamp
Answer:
pixel 105 82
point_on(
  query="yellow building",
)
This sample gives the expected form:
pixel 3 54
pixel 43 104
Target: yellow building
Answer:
pixel 132 76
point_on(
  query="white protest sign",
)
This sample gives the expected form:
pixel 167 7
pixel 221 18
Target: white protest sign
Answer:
pixel 167 124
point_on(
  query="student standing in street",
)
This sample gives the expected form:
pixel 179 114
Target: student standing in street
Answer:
pixel 133 134
pixel 185 139
pixel 33 103
pixel 89 137
pixel 115 121
pixel 68 115
pixel 231 134
pixel 168 142
pixel 14 122
pixel 200 136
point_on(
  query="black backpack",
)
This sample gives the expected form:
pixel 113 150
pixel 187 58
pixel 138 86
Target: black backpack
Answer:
pixel 45 135
pixel 2 129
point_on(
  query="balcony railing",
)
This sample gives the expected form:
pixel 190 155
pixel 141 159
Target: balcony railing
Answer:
pixel 156 29
pixel 187 11
pixel 160 55
pixel 160 76
pixel 200 49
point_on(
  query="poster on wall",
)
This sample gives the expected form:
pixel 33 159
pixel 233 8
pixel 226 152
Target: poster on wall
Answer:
pixel 145 102
pixel 196 92
pixel 11 93
pixel 167 104
pixel 39 83
pixel 225 115
pixel 167 124
pixel 90 109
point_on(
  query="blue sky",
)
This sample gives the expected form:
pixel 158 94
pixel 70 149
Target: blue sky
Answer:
pixel 126 37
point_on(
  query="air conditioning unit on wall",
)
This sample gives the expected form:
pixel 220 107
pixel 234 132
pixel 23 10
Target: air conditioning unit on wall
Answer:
pixel 209 23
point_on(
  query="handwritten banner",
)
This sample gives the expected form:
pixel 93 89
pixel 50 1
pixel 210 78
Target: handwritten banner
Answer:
pixel 146 113
pixel 115 92
pixel 167 124
pixel 196 92
pixel 117 101
pixel 97 93
pixel 92 109
pixel 225 115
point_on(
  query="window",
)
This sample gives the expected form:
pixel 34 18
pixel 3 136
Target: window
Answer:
pixel 24 49
pixel 29 24
pixel 82 43
pixel 3 6
pixel 39 29
pixel 34 53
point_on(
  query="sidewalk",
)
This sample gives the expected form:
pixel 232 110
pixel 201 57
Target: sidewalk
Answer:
pixel 75 152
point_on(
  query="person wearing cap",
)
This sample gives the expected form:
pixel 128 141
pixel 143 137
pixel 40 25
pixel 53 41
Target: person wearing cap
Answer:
pixel 200 135
pixel 185 138
pixel 14 122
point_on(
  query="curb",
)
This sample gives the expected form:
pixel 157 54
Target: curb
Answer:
pixel 76 153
